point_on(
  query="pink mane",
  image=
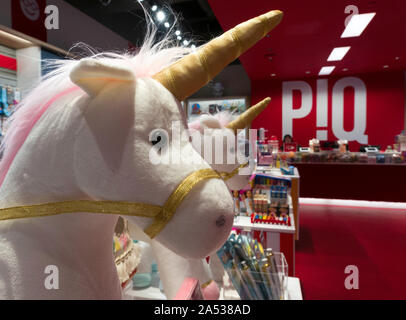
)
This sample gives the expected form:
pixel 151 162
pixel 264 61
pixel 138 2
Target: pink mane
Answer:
pixel 150 59
pixel 17 134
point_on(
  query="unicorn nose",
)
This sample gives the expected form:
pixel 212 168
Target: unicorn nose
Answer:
pixel 221 221
pixel 224 221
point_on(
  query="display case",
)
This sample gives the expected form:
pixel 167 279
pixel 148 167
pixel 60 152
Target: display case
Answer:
pixel 197 107
pixel 371 156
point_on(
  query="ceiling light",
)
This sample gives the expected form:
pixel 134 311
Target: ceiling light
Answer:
pixel 177 32
pixel 345 69
pixel 193 47
pixel 179 37
pixel 385 66
pixel 307 72
pixel 338 54
pixel 357 24
pixel 166 24
pixel 325 71
pixel 161 16
pixel 273 74
pixel 154 8
pixel 185 42
pixel 397 58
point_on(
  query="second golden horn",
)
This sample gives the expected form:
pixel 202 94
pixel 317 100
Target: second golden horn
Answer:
pixel 246 118
pixel 193 71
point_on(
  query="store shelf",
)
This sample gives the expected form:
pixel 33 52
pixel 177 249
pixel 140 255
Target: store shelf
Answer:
pixel 276 172
pixel 245 224
pixel 294 193
pixel 349 163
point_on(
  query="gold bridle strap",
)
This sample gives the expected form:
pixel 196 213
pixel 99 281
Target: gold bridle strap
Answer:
pixel 229 175
pixel 161 214
pixel 89 206
pixel 176 198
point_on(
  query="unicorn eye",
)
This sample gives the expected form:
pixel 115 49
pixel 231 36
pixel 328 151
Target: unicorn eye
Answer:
pixel 158 137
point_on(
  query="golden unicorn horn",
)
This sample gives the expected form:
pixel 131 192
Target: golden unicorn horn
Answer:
pixel 250 114
pixel 190 73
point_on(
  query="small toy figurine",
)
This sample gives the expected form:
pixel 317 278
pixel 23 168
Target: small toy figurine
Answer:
pixel 249 203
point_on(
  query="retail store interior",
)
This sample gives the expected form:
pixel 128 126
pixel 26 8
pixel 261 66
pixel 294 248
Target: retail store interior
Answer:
pixel 317 205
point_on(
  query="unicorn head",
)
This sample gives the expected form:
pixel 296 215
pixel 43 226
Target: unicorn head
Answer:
pixel 93 139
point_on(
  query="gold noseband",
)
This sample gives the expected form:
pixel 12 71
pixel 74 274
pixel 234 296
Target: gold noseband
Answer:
pixel 161 214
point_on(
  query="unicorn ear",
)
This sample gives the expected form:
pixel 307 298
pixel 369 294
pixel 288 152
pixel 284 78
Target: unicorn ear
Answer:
pixel 92 75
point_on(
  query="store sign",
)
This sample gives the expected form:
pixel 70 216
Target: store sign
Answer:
pixel 289 113
pixel 363 109
pixel 28 17
pixel 30 9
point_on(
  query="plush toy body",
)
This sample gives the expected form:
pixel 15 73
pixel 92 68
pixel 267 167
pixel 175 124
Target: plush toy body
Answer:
pixel 78 152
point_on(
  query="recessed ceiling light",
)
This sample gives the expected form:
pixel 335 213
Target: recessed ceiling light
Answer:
pixel 345 69
pixel 167 25
pixel 154 8
pixel 177 32
pixel 357 24
pixel 385 66
pixel 338 54
pixel 325 71
pixel 179 37
pixel 185 42
pixel 161 16
pixel 193 47
pixel 397 58
pixel 273 74
pixel 307 72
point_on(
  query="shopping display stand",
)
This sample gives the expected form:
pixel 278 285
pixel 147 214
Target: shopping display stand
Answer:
pixel 278 237
pixel 294 192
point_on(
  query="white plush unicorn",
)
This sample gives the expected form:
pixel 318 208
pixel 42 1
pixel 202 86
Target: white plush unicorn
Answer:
pixel 78 153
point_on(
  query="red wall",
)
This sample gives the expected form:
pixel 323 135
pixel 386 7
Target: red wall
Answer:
pixel 384 107
pixel 28 17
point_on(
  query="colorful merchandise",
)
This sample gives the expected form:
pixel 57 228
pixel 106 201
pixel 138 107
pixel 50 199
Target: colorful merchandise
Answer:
pixel 9 98
pixel 127 254
pixel 255 274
